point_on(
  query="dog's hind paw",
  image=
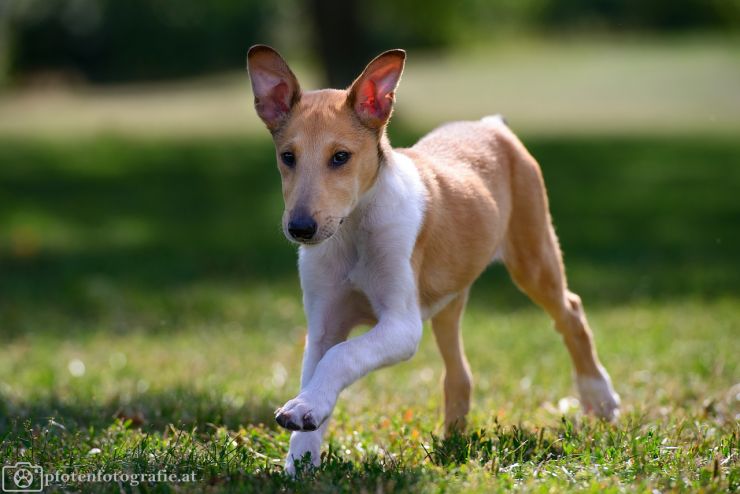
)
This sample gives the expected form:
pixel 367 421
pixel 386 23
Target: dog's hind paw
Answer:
pixel 598 396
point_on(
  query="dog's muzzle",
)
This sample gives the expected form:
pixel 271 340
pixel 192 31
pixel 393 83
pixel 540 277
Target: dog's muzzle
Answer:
pixel 302 228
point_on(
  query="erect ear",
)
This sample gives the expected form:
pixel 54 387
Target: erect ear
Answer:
pixel 275 86
pixel 372 94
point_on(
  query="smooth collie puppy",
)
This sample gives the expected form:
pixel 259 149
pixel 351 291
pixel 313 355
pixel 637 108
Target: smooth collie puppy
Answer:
pixel 393 237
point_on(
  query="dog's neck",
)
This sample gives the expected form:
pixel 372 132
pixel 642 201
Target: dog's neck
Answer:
pixel 397 186
pixel 385 150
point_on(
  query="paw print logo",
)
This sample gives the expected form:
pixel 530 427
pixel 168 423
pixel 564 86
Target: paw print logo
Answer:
pixel 23 477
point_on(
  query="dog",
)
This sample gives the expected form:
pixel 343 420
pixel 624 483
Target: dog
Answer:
pixel 393 237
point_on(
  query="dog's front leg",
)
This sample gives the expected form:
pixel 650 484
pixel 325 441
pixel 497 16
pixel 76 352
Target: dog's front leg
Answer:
pixel 331 314
pixel 394 338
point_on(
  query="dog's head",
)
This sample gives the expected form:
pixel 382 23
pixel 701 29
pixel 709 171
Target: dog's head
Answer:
pixel 328 143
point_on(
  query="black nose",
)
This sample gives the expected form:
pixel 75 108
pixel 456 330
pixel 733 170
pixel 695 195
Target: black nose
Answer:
pixel 302 228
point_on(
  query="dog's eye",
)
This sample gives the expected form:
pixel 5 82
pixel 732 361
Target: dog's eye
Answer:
pixel 340 158
pixel 288 159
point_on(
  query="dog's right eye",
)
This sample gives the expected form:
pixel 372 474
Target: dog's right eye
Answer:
pixel 288 159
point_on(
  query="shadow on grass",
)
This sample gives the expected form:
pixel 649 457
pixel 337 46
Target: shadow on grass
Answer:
pixel 336 474
pixel 153 411
pixel 647 217
pixel 498 450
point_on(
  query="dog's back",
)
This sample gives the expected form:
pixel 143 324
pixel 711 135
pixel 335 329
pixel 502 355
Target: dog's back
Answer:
pixel 473 171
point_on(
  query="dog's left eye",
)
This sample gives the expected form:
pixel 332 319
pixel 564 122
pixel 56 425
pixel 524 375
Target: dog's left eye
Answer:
pixel 288 158
pixel 340 158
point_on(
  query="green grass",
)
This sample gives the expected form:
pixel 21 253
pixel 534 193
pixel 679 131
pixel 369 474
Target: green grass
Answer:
pixel 159 269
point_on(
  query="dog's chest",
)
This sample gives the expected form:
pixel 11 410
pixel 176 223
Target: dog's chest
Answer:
pixel 359 275
pixel 365 264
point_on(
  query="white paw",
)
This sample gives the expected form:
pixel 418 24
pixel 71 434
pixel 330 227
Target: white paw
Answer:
pixel 300 444
pixel 304 413
pixel 598 396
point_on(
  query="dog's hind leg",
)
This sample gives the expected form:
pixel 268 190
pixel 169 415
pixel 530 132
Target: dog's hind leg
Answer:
pixel 533 258
pixel 458 379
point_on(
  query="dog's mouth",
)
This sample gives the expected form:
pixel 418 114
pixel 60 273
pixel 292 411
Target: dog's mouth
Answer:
pixel 311 241
pixel 308 242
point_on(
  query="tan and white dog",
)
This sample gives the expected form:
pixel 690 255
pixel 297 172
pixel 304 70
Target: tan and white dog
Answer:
pixel 393 237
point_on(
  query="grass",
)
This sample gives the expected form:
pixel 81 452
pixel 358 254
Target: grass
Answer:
pixel 151 319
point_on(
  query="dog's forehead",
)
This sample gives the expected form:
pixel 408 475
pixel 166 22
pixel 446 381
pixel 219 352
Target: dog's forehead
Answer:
pixel 323 101
pixel 319 118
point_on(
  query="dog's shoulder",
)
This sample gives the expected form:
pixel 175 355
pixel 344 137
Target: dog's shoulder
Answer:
pixel 466 138
pixel 455 149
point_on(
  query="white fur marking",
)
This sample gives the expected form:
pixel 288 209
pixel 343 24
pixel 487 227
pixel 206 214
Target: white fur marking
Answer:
pixel 496 119
pixel 498 256
pixel 598 395
pixel 370 252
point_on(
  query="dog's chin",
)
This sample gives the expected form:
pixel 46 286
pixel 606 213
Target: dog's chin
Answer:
pixel 308 243
pixel 311 242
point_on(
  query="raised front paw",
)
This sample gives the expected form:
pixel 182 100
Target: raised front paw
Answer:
pixel 303 413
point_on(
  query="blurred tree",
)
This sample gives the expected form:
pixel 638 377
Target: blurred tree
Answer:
pixel 656 15
pixel 113 40
pixel 340 39
pixel 348 33
pixel 4 48
pixel 109 40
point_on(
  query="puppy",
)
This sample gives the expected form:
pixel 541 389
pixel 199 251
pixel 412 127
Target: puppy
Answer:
pixel 393 237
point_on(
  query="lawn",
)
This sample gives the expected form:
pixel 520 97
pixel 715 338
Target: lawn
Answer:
pixel 151 319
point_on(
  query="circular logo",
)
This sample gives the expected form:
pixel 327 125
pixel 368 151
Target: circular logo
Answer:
pixel 23 478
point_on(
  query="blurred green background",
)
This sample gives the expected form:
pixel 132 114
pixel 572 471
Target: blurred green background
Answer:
pixel 110 41
pixel 139 195
pixel 130 151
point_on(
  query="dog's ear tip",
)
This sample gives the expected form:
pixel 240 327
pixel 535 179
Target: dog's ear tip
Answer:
pixel 260 48
pixel 397 52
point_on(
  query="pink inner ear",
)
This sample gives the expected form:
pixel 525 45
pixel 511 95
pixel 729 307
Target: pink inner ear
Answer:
pixel 275 102
pixel 374 99
pixel 375 93
pixel 280 96
pixel 386 79
pixel 368 101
